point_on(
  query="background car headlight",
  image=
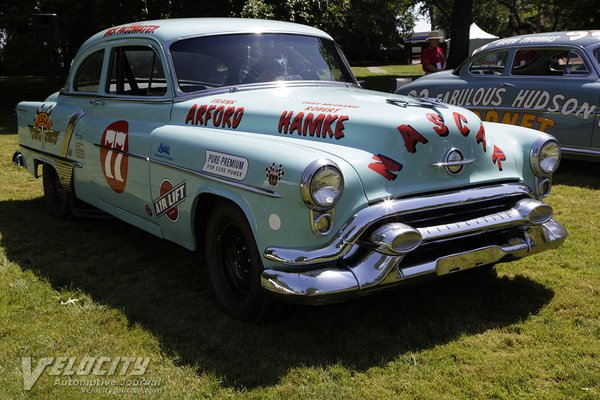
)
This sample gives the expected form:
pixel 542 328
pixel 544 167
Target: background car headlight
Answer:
pixel 322 185
pixel 545 156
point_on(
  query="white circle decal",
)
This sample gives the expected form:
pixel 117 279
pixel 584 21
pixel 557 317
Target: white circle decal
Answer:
pixel 274 222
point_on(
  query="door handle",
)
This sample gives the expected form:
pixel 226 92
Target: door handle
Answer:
pixel 97 102
pixel 506 84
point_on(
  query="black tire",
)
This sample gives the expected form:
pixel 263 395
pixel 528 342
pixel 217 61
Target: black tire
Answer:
pixel 234 265
pixel 59 201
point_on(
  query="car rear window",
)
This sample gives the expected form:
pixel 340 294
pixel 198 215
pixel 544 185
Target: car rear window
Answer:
pixel 87 79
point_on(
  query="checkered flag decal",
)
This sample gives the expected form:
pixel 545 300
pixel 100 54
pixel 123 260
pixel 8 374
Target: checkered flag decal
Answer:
pixel 274 174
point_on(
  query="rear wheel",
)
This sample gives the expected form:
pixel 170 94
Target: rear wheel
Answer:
pixel 234 264
pixel 59 200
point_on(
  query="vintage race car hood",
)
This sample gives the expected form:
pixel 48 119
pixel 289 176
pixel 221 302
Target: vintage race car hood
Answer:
pixel 398 145
pixel 442 75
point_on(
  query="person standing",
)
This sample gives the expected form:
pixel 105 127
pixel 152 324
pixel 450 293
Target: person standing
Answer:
pixel 524 28
pixel 432 56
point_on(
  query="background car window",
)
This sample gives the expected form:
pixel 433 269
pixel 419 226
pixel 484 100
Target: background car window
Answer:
pixel 136 71
pixel 575 64
pixel 215 61
pixel 87 78
pixel 548 62
pixel 523 59
pixel 489 63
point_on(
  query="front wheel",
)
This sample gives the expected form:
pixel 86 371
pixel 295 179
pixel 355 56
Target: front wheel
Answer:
pixel 59 200
pixel 234 264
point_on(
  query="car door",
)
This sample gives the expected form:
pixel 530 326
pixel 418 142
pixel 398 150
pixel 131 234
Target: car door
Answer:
pixel 596 88
pixel 554 93
pixel 487 90
pixel 134 100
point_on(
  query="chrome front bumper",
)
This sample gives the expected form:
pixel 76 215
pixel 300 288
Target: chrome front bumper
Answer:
pixel 352 264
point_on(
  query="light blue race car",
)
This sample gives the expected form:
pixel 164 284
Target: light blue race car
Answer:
pixel 251 142
pixel 549 82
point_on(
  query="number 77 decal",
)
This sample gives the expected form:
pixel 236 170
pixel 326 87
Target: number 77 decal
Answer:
pixel 115 163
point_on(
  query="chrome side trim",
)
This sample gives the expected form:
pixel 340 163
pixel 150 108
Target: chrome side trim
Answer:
pixel 69 132
pixel 53 157
pixel 249 188
pixel 348 234
pixel 580 151
pixel 64 166
pixel 254 86
pixel 127 153
pixel 139 100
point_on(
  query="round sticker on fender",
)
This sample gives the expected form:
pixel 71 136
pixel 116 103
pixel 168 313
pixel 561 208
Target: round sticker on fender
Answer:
pixel 114 162
pixel 173 212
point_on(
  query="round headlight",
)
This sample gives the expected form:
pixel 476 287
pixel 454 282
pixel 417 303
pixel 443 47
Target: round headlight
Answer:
pixel 322 185
pixel 545 157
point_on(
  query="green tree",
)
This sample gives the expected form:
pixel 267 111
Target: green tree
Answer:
pixel 502 17
pixel 366 29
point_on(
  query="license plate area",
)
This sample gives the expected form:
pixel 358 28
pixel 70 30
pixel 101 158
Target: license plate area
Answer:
pixel 468 260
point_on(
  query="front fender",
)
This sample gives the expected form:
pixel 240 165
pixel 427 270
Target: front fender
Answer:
pixel 516 142
pixel 273 207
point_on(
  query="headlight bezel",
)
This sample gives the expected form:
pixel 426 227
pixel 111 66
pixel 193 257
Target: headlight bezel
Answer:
pixel 311 171
pixel 537 150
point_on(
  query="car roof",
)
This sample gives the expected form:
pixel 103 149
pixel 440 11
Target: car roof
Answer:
pixel 168 30
pixel 570 38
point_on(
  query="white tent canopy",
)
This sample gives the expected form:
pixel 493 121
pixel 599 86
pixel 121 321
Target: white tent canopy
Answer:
pixel 478 37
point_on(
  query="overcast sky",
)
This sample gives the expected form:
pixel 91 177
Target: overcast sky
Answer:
pixel 423 24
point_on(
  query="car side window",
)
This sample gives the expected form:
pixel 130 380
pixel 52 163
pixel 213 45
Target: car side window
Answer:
pixel 136 71
pixel 523 60
pixel 575 64
pixel 548 62
pixel 87 78
pixel 492 63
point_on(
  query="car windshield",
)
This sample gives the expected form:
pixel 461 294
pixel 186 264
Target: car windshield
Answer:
pixel 215 61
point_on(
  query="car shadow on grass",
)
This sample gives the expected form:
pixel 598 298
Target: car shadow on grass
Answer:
pixel 158 285
pixel 578 173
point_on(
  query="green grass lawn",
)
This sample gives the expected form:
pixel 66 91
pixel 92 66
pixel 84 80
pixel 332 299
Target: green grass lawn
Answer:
pixel 383 81
pixel 103 288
